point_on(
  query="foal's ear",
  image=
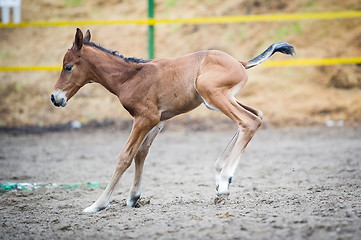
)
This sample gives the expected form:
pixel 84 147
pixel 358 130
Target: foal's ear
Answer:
pixel 87 36
pixel 78 42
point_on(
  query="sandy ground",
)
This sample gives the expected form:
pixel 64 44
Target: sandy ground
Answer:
pixel 293 183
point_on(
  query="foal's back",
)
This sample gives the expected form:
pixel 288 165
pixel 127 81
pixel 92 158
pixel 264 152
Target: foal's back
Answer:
pixel 178 78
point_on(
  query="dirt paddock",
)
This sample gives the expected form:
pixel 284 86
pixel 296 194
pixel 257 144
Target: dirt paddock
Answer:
pixel 292 183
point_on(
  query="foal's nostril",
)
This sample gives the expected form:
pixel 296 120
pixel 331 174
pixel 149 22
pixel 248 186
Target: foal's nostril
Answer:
pixel 61 101
pixel 52 98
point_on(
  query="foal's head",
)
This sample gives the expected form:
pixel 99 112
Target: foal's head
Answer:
pixel 75 72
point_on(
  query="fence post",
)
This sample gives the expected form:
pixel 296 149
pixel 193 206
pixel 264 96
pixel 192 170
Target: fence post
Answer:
pixel 151 30
pixel 6 5
pixel 17 11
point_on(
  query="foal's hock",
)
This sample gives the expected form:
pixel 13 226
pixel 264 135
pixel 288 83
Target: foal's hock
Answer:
pixel 153 91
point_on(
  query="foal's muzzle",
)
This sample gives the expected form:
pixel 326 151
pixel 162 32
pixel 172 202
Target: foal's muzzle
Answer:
pixel 58 98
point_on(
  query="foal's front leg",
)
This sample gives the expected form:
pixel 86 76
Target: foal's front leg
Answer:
pixel 139 159
pixel 141 127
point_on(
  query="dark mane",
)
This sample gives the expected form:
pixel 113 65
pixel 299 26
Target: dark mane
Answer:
pixel 115 53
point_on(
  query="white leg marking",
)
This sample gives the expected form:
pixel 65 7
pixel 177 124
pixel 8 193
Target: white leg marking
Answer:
pixel 96 207
pixel 221 161
pixel 225 176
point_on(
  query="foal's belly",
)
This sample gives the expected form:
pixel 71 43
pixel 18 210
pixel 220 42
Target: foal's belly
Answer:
pixel 176 92
pixel 178 103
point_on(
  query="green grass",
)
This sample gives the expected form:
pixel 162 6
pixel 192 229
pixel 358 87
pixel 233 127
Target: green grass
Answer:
pixel 73 3
pixel 297 29
pixel 171 3
pixel 242 33
pixel 284 32
pixel 5 54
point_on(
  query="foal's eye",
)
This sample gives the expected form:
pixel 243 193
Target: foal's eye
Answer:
pixel 68 68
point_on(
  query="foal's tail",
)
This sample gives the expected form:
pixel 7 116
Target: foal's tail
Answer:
pixel 282 47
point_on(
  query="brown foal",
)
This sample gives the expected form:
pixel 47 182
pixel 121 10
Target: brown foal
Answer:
pixel 154 91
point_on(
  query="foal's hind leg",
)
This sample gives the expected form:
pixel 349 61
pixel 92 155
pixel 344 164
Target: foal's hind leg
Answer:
pixel 256 112
pixel 139 159
pixel 248 123
pixel 221 161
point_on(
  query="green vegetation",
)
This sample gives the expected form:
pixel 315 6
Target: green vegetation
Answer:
pixel 5 54
pixel 73 3
pixel 242 33
pixel 171 3
pixel 283 32
pixel 7 89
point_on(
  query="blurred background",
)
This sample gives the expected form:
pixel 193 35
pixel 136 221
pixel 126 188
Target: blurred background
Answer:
pixel 297 95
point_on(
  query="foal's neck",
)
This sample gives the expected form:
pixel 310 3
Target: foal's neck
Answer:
pixel 111 71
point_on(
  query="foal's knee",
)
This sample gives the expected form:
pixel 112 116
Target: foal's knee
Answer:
pixel 123 164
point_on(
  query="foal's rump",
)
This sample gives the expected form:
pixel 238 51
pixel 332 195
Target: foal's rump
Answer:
pixel 221 72
pixel 222 76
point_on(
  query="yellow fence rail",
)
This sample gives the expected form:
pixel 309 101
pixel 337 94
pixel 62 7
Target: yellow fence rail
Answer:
pixel 29 68
pixel 272 63
pixel 203 20
pixel 312 62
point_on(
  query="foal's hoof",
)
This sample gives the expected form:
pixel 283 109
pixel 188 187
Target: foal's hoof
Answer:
pixel 132 202
pixel 221 199
pixel 222 187
pixel 138 202
pixel 93 209
pixel 223 192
